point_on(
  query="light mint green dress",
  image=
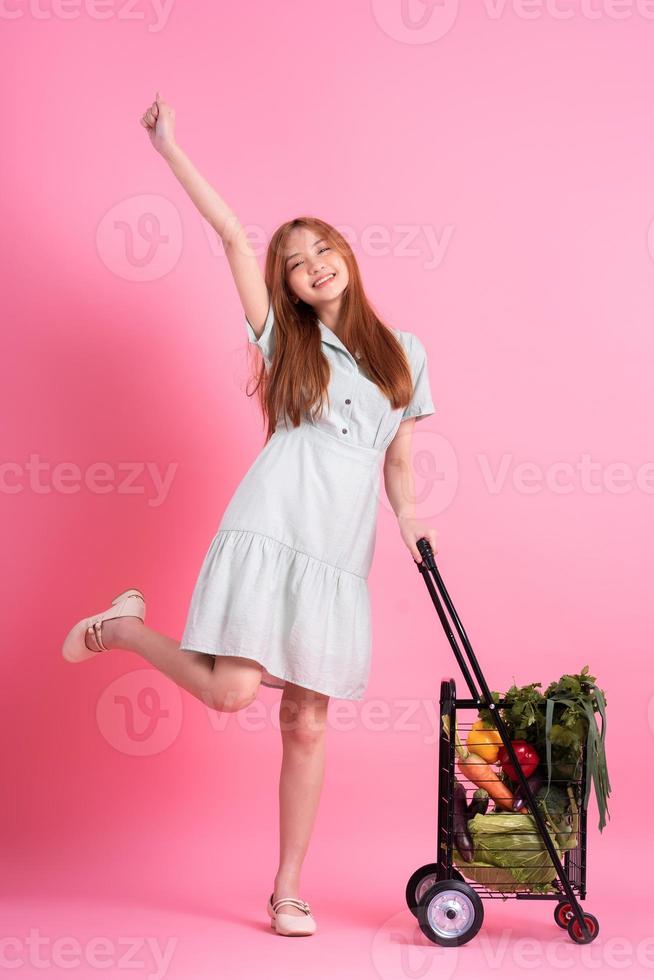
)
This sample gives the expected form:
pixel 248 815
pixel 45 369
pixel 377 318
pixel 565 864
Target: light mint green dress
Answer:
pixel 284 580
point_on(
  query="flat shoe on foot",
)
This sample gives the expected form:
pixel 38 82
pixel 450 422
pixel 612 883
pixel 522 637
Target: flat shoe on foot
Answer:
pixel 291 925
pixel 128 603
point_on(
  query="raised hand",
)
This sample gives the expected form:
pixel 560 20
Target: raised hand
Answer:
pixel 159 120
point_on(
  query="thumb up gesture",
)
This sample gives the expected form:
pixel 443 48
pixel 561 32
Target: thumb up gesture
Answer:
pixel 159 120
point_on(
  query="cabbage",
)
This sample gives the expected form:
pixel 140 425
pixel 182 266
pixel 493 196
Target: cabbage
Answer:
pixel 509 852
pixel 494 878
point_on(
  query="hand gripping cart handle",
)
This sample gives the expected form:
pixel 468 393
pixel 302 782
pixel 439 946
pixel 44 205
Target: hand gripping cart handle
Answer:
pixel 448 909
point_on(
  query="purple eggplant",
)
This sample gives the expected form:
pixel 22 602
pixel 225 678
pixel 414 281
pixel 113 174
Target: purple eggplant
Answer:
pixel 462 840
pixel 535 781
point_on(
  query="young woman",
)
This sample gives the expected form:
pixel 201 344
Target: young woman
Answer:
pixel 281 598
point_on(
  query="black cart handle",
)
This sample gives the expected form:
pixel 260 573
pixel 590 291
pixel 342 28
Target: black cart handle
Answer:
pixel 429 570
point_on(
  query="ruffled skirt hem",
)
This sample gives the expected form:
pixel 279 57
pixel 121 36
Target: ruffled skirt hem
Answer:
pixel 303 620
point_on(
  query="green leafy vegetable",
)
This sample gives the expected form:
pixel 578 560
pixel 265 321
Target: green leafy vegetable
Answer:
pixel 562 812
pixel 560 723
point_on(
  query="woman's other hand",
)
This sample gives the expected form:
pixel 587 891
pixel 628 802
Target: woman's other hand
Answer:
pixel 412 529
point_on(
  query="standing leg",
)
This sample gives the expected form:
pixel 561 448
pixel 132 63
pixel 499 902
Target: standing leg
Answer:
pixel 303 722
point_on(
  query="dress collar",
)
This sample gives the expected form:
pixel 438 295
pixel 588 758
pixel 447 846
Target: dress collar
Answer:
pixel 329 337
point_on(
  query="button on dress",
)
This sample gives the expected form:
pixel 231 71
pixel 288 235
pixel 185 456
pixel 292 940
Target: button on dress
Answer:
pixel 284 580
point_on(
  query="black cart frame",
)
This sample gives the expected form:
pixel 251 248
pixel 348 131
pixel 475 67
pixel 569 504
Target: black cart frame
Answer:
pixel 448 908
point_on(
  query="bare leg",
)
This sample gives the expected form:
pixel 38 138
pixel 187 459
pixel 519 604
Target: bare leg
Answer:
pixel 223 683
pixel 303 722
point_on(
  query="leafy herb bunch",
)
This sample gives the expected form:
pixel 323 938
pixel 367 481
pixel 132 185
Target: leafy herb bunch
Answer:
pixel 560 722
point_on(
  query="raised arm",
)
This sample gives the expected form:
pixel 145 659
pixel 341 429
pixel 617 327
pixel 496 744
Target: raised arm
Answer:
pixel 159 120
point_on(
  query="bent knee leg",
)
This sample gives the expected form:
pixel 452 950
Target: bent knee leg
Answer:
pixel 235 683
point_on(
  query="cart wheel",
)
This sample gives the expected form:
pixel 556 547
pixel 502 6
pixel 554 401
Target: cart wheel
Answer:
pixel 450 913
pixel 562 914
pixel 420 881
pixel 575 933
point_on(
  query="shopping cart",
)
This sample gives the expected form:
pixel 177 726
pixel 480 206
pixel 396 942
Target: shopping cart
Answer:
pixel 448 908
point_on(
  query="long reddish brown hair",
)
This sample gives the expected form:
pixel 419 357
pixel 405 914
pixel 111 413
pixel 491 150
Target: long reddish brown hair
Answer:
pixel 297 380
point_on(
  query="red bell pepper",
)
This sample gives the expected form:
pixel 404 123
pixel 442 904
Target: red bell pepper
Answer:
pixel 527 757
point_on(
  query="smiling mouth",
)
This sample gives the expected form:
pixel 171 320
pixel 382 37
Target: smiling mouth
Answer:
pixel 323 281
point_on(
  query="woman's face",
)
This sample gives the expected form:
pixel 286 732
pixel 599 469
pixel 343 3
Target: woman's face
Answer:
pixel 315 272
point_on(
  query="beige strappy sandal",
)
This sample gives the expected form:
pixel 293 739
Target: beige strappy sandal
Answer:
pixel 291 925
pixel 128 603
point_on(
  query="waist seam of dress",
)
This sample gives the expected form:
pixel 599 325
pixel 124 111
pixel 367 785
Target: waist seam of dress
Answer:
pixel 321 561
pixel 348 450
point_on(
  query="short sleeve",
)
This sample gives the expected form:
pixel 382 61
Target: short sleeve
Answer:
pixel 421 404
pixel 266 342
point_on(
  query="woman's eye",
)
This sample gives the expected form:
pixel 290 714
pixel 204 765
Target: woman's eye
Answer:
pixel 325 248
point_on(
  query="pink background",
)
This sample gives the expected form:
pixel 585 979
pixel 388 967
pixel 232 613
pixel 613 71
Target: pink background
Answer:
pixel 521 140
